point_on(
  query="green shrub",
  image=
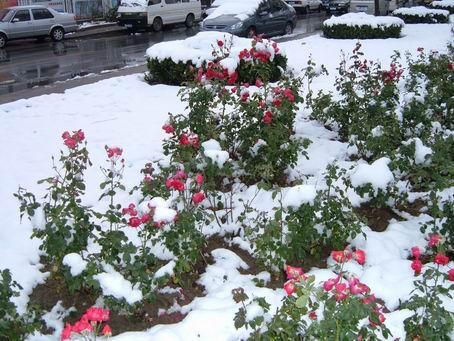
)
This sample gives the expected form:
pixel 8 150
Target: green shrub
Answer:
pixel 430 16
pixel 449 6
pixel 253 63
pixel 343 31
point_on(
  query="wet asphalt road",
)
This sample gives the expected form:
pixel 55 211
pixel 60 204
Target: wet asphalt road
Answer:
pixel 29 64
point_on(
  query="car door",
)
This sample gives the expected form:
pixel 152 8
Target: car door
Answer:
pixel 278 16
pixel 21 24
pixel 43 20
pixel 263 22
pixel 171 12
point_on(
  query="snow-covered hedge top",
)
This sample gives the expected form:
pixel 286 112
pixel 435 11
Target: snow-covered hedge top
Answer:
pixel 239 8
pixel 363 19
pixel 198 49
pixel 443 3
pixel 420 11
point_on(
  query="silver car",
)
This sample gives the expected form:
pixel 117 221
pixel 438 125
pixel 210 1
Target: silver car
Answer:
pixel 34 22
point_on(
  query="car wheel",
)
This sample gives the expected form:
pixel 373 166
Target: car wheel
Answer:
pixel 57 34
pixel 251 32
pixel 288 29
pixel 157 24
pixel 3 40
pixel 189 22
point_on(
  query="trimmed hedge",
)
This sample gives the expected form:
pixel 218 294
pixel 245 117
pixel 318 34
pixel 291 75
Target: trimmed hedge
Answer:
pixel 344 31
pixel 166 71
pixel 446 5
pixel 430 17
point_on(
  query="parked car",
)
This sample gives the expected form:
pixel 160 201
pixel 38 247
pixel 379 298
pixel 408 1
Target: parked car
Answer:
pixel 34 22
pixel 339 6
pixel 156 13
pixel 305 6
pixel 247 19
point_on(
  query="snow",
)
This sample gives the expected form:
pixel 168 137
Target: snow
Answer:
pixel 166 270
pixel 443 3
pixel 75 262
pixel 377 174
pixel 298 195
pixel 114 284
pixel 421 151
pixel 212 150
pixel 239 8
pixel 363 19
pixel 420 11
pixel 117 112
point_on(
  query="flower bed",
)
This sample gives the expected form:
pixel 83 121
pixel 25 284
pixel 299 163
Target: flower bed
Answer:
pixel 177 62
pixel 422 15
pixel 362 26
pixel 444 4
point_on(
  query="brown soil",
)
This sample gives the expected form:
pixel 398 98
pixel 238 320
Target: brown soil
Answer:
pixel 377 218
pixel 414 208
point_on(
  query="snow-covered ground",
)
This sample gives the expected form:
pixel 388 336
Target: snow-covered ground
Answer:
pixel 127 112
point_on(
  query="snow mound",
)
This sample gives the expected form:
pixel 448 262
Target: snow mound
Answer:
pixel 114 284
pixel 212 150
pixel 165 270
pixel 298 195
pixel 75 263
pixel 443 3
pixel 377 174
pixel 363 19
pixel 420 11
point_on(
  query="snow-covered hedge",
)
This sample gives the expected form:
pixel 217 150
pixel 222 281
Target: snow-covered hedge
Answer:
pixel 444 4
pixel 421 14
pixel 176 62
pixel 362 26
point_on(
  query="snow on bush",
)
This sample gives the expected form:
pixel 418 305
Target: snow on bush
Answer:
pixel 212 150
pixel 421 14
pixel 377 174
pixel 298 195
pixel 444 4
pixel 362 26
pixel 75 262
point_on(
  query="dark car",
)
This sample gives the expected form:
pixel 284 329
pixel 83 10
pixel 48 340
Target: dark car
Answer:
pixel 271 17
pixel 338 6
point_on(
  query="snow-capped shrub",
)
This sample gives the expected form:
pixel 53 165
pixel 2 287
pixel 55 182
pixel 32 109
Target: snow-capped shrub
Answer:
pixel 251 126
pixel 422 15
pixel 238 60
pixel 443 4
pixel 362 26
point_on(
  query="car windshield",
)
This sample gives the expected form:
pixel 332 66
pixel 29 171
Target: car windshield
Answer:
pixel 4 14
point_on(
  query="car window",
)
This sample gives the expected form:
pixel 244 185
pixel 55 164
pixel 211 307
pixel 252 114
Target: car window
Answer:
pixel 276 4
pixel 154 2
pixel 172 1
pixel 22 15
pixel 41 13
pixel 4 14
pixel 264 7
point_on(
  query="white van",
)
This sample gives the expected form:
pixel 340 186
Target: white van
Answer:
pixel 137 14
pixel 368 6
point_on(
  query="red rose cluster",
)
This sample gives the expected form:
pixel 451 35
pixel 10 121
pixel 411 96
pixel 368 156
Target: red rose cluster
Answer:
pixel 72 140
pixel 90 322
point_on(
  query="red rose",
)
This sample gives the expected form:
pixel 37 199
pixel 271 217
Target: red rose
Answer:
pixel 416 252
pixel 66 333
pixel 220 43
pixel 341 256
pixel 106 331
pixel 184 141
pixel 441 259
pixel 434 239
pixel 416 265
pixel 359 256
pixel 168 128
pixel 199 179
pixel 70 143
pixel 267 117
pixel 134 222
pixel 197 198
pixel 293 272
pixel 451 275
pixel 313 315
pixel 290 287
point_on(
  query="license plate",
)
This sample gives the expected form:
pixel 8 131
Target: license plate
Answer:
pixel 128 25
pixel 291 2
pixel 332 8
pixel 362 8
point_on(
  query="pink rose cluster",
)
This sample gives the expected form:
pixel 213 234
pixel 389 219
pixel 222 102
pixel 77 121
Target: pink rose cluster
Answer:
pixel 72 140
pixel 90 322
